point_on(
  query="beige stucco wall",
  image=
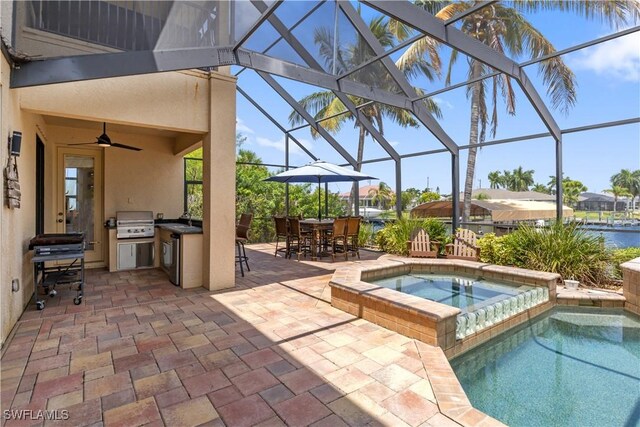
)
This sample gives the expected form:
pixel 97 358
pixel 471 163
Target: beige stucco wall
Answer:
pixel 177 101
pixel 189 103
pixel 219 154
pixel 17 225
pixel 133 180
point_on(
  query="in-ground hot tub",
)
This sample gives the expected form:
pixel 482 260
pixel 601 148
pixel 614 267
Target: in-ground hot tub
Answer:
pixel 482 302
pixel 454 304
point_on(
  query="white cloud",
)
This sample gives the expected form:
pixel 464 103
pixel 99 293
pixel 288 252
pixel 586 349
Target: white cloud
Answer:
pixel 394 143
pixel 618 58
pixel 242 127
pixel 442 102
pixel 279 145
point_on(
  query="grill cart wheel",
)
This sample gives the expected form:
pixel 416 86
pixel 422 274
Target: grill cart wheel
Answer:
pixel 77 300
pixel 53 293
pixel 40 305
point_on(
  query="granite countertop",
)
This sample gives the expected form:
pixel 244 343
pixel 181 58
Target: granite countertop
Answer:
pixel 179 228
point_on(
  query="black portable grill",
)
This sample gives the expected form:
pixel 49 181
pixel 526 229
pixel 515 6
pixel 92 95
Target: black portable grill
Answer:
pixel 60 248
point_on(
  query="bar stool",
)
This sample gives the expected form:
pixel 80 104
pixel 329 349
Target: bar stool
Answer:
pixel 242 237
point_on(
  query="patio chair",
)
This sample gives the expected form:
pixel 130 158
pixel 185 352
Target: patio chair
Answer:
pixel 420 246
pixel 299 241
pixel 338 238
pixel 282 232
pixel 242 236
pixel 464 246
pixel 353 235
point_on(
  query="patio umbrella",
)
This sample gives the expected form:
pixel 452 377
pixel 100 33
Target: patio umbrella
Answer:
pixel 319 172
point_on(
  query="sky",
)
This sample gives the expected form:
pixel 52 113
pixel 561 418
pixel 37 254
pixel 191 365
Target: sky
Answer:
pixel 608 86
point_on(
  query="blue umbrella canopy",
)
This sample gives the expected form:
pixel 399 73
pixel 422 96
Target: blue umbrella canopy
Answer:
pixel 319 172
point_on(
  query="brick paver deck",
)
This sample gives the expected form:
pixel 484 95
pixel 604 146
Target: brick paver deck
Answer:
pixel 271 351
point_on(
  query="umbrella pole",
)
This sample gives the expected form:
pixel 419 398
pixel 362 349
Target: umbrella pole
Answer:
pixel 326 200
pixel 319 202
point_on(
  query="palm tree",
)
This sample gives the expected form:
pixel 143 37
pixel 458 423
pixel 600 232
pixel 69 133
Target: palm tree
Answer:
pixel 628 180
pixel 381 196
pixel 495 179
pixel 505 29
pixel 325 104
pixel 617 191
pixel 521 179
pixel 540 188
pixel 571 190
pixel 507 179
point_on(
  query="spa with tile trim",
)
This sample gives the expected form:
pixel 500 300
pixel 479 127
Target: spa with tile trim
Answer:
pixel 454 304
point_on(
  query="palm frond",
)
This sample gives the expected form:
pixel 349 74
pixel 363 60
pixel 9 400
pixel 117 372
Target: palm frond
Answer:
pixel 557 76
pixel 452 60
pixel 444 9
pixel 321 104
pixel 412 61
pixel 616 13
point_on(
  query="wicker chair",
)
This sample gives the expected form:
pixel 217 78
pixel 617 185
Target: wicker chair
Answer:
pixel 299 241
pixel 421 247
pixel 464 246
pixel 353 235
pixel 282 232
pixel 338 238
pixel 242 237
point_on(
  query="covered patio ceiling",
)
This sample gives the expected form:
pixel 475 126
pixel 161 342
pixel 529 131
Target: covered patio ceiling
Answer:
pixel 275 38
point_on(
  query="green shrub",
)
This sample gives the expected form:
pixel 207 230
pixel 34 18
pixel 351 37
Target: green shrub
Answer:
pixel 394 236
pixel 564 249
pixel 496 250
pixel 366 235
pixel 620 256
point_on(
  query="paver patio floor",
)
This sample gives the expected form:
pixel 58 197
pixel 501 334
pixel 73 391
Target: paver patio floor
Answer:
pixel 271 351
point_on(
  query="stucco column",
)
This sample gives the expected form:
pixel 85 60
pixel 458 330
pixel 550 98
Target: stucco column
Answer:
pixel 219 186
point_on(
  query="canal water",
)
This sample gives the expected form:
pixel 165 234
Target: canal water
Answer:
pixel 618 237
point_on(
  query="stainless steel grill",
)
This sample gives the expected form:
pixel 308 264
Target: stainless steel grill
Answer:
pixel 134 224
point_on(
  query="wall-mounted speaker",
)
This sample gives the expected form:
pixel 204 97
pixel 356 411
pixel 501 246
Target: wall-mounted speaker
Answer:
pixel 16 141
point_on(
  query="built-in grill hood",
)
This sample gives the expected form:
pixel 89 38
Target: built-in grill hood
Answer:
pixel 134 224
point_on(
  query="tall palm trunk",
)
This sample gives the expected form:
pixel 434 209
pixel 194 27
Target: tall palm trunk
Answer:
pixel 473 139
pixel 354 192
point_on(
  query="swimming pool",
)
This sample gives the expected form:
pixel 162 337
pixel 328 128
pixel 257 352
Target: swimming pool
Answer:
pixel 569 366
pixel 467 294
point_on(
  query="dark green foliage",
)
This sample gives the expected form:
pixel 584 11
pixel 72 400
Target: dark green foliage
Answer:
pixel 394 236
pixel 266 199
pixel 262 199
pixel 621 256
pixel 565 249
pixel 367 235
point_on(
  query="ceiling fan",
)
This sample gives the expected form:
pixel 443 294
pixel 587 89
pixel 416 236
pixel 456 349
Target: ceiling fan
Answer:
pixel 104 141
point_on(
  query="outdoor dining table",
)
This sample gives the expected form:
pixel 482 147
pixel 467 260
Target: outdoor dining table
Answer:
pixel 317 228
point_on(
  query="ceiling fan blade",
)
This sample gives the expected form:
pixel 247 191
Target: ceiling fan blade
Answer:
pixel 128 147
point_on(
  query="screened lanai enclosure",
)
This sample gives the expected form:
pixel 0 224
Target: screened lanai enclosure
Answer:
pixel 289 49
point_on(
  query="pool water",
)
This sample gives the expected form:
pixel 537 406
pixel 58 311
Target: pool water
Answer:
pixel 570 366
pixel 464 293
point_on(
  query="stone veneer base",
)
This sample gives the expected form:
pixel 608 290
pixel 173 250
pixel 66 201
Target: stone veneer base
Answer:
pixel 631 285
pixel 428 321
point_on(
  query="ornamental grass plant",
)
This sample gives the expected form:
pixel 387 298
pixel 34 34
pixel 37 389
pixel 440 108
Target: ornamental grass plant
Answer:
pixel 568 250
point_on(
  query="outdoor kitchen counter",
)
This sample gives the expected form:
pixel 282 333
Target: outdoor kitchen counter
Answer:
pixel 190 250
pixel 179 228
